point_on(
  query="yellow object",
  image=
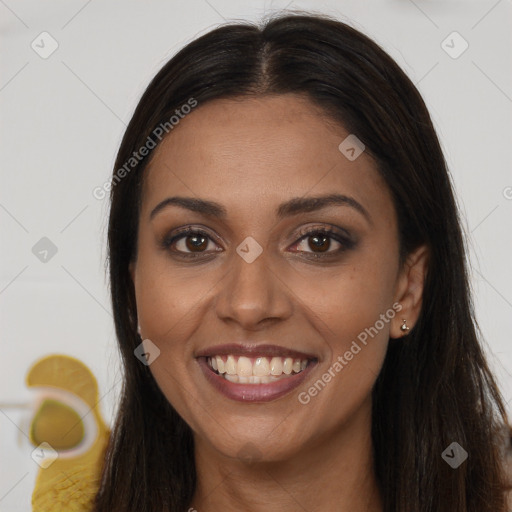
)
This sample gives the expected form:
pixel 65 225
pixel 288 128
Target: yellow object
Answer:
pixel 68 420
pixel 50 414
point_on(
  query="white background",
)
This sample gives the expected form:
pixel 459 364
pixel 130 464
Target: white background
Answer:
pixel 62 119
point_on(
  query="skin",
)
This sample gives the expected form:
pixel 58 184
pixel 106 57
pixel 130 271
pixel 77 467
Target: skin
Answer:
pixel 251 155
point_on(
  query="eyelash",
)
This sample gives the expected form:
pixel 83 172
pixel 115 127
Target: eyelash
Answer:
pixel 345 242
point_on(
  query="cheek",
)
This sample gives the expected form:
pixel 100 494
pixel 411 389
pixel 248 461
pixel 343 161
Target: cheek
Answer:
pixel 352 309
pixel 169 299
pixel 350 299
pixel 169 308
pixel 352 312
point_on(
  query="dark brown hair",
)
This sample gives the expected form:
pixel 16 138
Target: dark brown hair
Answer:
pixel 435 388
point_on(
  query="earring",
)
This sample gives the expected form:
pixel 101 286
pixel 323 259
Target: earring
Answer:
pixel 138 329
pixel 404 327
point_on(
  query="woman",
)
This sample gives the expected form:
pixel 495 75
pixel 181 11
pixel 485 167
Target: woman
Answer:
pixel 290 291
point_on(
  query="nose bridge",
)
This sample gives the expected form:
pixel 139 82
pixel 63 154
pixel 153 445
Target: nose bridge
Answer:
pixel 251 291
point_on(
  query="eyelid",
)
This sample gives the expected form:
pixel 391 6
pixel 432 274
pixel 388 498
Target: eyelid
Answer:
pixel 329 229
pixel 167 240
pixel 340 235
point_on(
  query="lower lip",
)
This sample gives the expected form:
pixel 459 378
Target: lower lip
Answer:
pixel 254 392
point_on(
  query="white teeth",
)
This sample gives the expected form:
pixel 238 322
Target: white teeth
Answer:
pixel 244 367
pixel 276 366
pixel 251 380
pixel 261 370
pixel 261 367
pixel 231 365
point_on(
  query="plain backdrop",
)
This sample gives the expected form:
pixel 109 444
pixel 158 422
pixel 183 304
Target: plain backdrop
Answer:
pixel 63 116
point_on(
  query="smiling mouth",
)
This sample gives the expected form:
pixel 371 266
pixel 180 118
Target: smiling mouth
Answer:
pixel 256 370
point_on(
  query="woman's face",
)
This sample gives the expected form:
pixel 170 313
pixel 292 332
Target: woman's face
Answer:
pixel 254 277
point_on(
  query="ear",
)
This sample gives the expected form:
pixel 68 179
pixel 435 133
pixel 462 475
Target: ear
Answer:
pixel 409 290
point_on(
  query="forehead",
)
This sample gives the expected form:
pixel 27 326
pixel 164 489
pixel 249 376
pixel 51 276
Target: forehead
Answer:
pixel 252 151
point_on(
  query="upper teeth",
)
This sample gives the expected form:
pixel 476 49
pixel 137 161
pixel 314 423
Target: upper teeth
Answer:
pixel 258 366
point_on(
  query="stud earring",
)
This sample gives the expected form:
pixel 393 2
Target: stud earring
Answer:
pixel 404 327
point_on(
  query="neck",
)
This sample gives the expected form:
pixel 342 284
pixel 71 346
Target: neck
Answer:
pixel 336 469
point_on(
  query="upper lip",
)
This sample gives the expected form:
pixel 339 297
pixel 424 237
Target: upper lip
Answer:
pixel 251 349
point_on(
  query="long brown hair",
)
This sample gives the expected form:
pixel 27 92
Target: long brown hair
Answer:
pixel 435 388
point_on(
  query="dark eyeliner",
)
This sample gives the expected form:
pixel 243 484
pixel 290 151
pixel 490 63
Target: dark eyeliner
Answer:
pixel 166 241
pixel 345 241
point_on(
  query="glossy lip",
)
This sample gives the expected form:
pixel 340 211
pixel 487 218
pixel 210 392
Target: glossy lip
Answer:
pixel 254 392
pixel 251 350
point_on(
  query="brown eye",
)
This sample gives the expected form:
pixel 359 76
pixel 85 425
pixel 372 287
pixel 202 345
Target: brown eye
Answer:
pixel 196 242
pixel 188 242
pixel 313 243
pixel 319 242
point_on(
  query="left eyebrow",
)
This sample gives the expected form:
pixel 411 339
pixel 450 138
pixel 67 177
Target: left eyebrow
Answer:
pixel 309 204
pixel 291 207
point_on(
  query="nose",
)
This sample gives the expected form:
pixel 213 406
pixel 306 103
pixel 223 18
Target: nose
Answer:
pixel 253 294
